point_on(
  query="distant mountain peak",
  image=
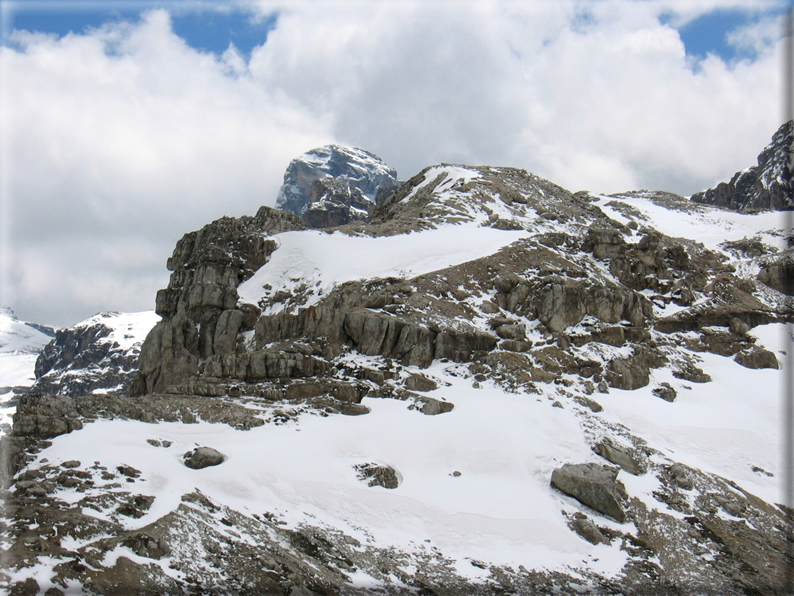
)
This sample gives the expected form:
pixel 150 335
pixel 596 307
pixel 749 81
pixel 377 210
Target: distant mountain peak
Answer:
pixel 352 181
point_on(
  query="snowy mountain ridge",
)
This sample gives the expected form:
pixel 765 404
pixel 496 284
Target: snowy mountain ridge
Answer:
pixel 767 185
pixel 493 386
pixel 20 337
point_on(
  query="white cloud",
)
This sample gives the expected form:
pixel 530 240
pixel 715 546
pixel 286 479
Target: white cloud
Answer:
pixel 127 137
pixel 758 38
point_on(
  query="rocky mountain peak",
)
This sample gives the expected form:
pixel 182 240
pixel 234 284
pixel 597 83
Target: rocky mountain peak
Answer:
pixel 767 185
pixel 360 180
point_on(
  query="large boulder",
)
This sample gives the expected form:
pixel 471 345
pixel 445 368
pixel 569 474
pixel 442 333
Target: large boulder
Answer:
pixel 203 457
pixel 755 357
pixel 377 475
pixel 593 485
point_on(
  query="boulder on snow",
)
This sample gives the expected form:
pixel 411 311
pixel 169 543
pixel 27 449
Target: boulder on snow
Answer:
pixel 432 407
pixel 755 357
pixel 587 529
pixel 203 457
pixel 665 391
pixel 593 485
pixel 377 475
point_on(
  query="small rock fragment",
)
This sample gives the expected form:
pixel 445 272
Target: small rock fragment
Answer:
pixel 666 392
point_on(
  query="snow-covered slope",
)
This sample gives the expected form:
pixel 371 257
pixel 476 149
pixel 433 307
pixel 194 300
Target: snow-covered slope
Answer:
pixel 20 344
pixel 429 403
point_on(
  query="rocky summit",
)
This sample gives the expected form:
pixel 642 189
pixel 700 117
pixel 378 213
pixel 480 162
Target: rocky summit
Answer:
pixel 488 385
pixel 333 185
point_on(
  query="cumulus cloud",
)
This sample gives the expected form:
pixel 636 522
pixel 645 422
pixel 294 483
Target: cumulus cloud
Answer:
pixel 125 139
pixel 120 140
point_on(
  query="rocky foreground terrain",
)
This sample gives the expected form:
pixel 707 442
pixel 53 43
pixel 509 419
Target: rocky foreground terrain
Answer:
pixel 489 385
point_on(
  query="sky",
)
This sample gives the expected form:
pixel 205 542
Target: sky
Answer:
pixel 124 125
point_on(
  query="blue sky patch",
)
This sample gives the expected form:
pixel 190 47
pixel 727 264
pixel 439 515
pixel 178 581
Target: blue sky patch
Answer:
pixel 213 31
pixel 708 34
pixel 206 29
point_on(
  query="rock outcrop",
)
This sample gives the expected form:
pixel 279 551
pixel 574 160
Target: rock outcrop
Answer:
pixel 207 267
pixel 593 485
pixel 767 185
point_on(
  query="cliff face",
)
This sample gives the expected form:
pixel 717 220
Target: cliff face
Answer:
pixel 207 267
pixel 767 185
pixel 492 385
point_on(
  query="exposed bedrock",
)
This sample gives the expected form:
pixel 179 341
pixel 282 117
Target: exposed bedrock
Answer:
pixel 199 307
pixel 561 302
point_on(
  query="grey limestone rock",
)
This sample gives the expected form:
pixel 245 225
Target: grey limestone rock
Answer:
pixel 621 456
pixel 199 307
pixel 627 373
pixel 755 357
pixel 432 407
pixel 665 391
pixel 593 485
pixel 587 529
pixel 360 176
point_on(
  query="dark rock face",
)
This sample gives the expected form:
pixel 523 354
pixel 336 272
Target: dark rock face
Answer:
pixel 593 485
pixel 86 357
pixel 778 273
pixel 335 203
pixel 767 185
pixel 203 457
pixel 333 185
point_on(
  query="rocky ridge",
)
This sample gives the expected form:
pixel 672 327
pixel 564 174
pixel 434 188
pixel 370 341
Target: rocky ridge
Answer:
pixel 588 299
pixel 767 185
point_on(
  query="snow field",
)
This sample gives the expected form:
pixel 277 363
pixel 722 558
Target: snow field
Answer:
pixel 500 509
pixel 322 261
